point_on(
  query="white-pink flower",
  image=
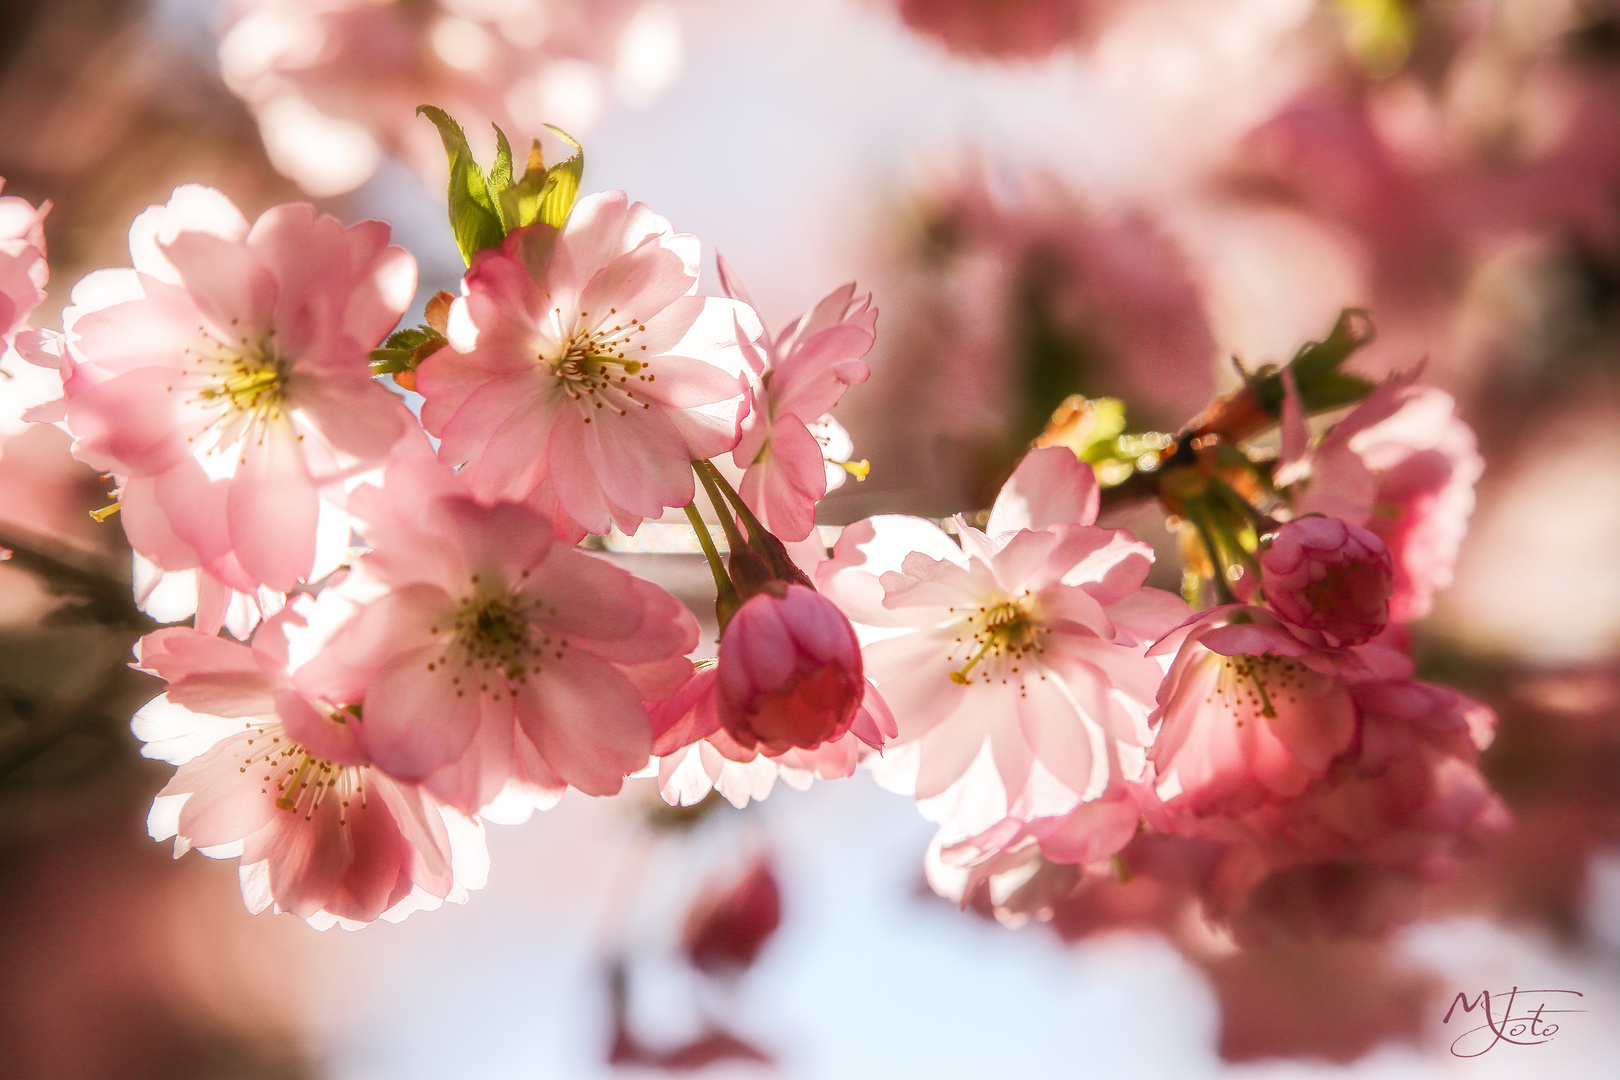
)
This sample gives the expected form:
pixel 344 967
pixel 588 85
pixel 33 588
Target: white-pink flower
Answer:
pixel 1015 663
pixel 275 776
pixel 225 381
pixel 1402 465
pixel 486 654
pixel 585 374
pixel 23 269
pixel 792 451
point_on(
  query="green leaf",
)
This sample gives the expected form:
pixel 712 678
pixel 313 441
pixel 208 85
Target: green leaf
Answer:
pixel 500 179
pixel 520 203
pixel 405 349
pixel 1321 384
pixel 562 184
pixel 474 218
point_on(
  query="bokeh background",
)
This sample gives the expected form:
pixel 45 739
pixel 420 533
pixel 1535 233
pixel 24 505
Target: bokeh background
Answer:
pixel 1112 197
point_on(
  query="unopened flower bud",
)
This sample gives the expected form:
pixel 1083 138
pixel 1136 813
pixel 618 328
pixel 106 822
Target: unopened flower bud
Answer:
pixel 790 672
pixel 1328 575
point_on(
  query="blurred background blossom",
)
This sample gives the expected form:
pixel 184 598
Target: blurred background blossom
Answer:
pixel 1109 197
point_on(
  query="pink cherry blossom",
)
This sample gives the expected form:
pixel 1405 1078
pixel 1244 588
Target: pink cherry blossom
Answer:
pixel 732 920
pixel 584 373
pixel 1253 711
pixel 792 451
pixel 696 755
pixel 1330 576
pixel 1014 663
pixel 1402 465
pixel 486 654
pixel 1395 812
pixel 23 269
pixel 225 382
pixel 276 777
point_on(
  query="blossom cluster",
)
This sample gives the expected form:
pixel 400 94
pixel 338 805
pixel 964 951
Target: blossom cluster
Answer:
pixel 1288 736
pixel 414 638
pixel 395 632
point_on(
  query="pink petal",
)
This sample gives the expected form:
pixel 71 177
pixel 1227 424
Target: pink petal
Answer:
pixel 416 720
pixel 586 721
pixel 233 290
pixel 272 508
pixel 130 424
pixel 1050 487
pixel 785 483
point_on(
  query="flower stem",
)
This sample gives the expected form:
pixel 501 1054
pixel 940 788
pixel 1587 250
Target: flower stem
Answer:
pixel 728 520
pixel 725 592
pixel 713 479
pixel 1217 557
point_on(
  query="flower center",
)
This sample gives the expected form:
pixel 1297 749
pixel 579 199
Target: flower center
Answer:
pixel 493 637
pixel 1251 686
pixel 594 371
pixel 250 385
pixel 1000 637
pixel 301 782
pixel 242 386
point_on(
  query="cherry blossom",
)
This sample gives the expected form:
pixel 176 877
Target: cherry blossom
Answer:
pixel 1014 663
pixel 584 372
pixel 275 777
pixel 1330 576
pixel 789 675
pixel 1253 711
pixel 486 654
pixel 732 920
pixel 1025 867
pixel 792 451
pixel 1402 465
pixel 1396 811
pixel 224 381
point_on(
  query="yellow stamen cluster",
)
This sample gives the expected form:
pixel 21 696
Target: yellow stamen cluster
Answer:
pixel 244 385
pixel 1003 639
pixel 300 782
pixel 593 369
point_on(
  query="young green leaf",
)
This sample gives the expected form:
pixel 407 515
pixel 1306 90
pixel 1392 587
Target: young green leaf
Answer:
pixel 562 184
pixel 474 218
pixel 1317 370
pixel 406 349
pixel 500 179
pixel 520 203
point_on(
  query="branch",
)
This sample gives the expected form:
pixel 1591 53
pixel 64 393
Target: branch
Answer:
pixel 65 571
